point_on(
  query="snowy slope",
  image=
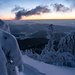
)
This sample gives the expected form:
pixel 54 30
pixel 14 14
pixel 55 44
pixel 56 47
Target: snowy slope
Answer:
pixel 48 69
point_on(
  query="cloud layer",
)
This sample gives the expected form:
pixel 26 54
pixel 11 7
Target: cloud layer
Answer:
pixel 36 11
pixel 60 8
pixel 17 8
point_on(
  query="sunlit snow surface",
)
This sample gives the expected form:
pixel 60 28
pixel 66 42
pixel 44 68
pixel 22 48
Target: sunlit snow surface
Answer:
pixel 44 69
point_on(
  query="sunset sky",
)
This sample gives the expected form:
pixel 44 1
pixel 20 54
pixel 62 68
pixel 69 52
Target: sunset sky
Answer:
pixel 37 9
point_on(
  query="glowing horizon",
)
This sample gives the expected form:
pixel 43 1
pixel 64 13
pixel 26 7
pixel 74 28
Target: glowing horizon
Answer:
pixel 40 17
pixel 37 18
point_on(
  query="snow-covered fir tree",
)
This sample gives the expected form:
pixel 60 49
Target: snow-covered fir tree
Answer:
pixel 66 51
pixel 65 54
pixel 48 53
pixel 10 51
pixel 67 44
pixel 4 26
pixel 50 36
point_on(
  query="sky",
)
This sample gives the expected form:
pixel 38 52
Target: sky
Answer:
pixel 37 9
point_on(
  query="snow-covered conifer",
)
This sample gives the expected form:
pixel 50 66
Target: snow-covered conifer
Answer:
pixel 4 26
pixel 48 53
pixel 67 44
pixel 49 46
pixel 10 48
pixel 50 37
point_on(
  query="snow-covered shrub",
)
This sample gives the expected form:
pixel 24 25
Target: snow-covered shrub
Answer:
pixel 49 57
pixel 35 56
pixel 31 54
pixel 28 52
pixel 64 59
